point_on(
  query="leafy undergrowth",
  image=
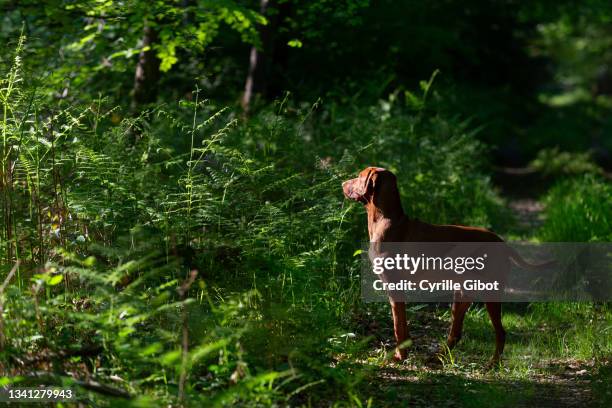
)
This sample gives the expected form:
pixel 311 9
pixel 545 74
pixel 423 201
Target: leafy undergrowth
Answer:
pixel 189 258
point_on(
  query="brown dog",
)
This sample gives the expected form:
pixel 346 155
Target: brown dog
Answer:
pixel 377 189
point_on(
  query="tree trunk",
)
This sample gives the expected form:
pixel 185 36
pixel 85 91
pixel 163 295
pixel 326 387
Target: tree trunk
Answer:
pixel 147 71
pixel 258 62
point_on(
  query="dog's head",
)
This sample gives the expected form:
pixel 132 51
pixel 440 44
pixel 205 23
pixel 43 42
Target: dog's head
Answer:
pixel 372 182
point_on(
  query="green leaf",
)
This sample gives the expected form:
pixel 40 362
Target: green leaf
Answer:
pixel 4 381
pixel 151 349
pixel 167 55
pixel 54 280
pixel 89 261
pixel 170 358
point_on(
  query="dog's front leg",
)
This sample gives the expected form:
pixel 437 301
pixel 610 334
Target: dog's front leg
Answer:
pixel 400 328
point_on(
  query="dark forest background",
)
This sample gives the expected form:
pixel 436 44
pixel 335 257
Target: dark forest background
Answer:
pixel 173 230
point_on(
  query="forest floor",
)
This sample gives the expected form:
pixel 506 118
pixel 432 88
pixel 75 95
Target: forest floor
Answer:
pixel 544 362
pixel 522 379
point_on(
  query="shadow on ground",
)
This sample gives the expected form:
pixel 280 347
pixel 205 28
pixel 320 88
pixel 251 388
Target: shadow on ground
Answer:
pixel 463 382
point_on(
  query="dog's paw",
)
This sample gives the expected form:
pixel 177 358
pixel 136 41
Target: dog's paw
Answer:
pixel 493 364
pixel 400 355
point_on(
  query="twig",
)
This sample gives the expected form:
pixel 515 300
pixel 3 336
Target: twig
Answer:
pixel 35 288
pixel 103 388
pixel 92 385
pixel 4 285
pixel 185 340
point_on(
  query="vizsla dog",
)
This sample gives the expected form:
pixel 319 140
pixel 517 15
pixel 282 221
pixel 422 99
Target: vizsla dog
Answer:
pixel 377 189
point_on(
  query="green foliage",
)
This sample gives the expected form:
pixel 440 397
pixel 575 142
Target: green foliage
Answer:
pixel 254 206
pixel 553 163
pixel 578 210
pixel 102 39
pixel 109 211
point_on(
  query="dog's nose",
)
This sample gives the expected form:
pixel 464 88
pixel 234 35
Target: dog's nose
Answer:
pixel 347 187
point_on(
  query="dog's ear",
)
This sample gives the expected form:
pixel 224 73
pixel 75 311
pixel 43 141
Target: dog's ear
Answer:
pixel 364 182
pixel 377 175
pixel 367 182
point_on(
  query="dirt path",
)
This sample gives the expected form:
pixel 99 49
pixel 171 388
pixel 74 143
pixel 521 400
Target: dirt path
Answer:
pixel 528 213
pixel 522 189
pixel 462 380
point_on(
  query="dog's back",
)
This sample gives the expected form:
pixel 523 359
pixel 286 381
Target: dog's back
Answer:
pixel 419 231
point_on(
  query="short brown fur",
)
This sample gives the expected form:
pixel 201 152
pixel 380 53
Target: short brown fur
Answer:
pixel 377 189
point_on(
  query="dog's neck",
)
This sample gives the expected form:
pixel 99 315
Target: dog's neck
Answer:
pixel 384 215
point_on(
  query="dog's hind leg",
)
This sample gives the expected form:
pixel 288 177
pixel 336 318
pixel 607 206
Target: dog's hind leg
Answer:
pixel 495 314
pixel 458 314
pixel 400 328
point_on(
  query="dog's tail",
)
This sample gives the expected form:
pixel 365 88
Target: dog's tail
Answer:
pixel 522 263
